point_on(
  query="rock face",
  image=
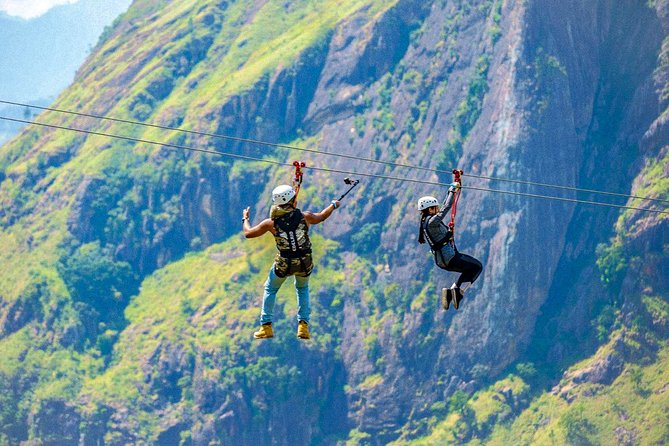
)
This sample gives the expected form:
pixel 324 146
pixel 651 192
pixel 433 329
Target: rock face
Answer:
pixel 568 94
pixel 565 92
pixel 621 103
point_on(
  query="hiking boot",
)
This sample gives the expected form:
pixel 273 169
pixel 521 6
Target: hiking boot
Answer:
pixel 303 330
pixel 265 332
pixel 457 298
pixel 446 298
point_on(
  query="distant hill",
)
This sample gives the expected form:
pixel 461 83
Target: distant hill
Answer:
pixel 40 56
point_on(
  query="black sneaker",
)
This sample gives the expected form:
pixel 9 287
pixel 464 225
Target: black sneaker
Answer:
pixel 458 297
pixel 446 298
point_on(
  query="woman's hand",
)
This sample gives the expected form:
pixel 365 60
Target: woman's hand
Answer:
pixel 246 213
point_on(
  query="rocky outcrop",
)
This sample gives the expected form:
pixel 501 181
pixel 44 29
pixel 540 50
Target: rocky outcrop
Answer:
pixel 16 314
pixel 56 422
pixel 275 108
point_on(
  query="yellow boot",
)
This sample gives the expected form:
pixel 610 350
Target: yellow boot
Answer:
pixel 265 332
pixel 303 330
pixel 446 298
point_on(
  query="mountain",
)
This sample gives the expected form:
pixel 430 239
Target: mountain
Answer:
pixel 129 297
pixel 40 56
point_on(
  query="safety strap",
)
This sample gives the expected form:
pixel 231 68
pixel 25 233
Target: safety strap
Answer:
pixel 297 181
pixel 454 209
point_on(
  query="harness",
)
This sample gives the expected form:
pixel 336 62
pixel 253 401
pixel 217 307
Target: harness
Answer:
pixel 435 246
pixel 289 243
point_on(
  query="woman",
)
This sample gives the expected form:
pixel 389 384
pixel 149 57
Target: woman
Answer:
pixel 440 238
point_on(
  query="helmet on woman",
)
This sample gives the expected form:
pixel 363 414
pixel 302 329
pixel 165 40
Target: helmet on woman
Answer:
pixel 282 194
pixel 427 202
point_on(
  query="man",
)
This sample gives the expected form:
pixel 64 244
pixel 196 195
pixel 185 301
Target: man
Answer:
pixel 290 228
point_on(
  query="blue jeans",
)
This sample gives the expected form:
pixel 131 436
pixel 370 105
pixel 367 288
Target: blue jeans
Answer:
pixel 272 285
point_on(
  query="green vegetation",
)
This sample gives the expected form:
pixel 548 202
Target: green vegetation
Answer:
pixel 495 32
pixel 546 69
pixel 383 121
pixel 128 299
pixel 632 408
pixel 655 185
pixel 612 261
pixel 93 277
pixel 367 239
pixel 206 306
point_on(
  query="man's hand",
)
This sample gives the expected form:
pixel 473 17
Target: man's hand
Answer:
pixel 246 213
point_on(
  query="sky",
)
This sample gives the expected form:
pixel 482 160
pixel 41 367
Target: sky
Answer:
pixel 29 9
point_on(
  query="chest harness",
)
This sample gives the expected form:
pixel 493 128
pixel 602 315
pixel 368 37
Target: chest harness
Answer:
pixel 436 245
pixel 292 239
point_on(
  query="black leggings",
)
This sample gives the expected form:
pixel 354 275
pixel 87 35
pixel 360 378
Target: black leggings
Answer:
pixel 467 265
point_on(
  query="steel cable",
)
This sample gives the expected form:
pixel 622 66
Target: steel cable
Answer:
pixel 323 169
pixel 341 155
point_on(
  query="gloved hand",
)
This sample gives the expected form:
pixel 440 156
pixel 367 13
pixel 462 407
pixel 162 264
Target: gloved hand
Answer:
pixel 453 187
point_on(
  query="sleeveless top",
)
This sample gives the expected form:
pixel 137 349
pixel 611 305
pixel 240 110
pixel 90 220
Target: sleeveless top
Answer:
pixel 292 241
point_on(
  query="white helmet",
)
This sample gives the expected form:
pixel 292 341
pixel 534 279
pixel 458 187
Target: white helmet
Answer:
pixel 427 202
pixel 282 194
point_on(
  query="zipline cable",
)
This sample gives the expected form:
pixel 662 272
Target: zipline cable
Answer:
pixel 482 189
pixel 148 141
pixel 324 169
pixel 341 155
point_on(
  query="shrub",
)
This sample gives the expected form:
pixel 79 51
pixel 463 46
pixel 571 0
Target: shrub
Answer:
pixel 366 240
pixel 576 426
pixel 93 277
pixel 612 262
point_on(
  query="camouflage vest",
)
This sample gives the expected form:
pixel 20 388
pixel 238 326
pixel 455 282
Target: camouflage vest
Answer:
pixel 292 241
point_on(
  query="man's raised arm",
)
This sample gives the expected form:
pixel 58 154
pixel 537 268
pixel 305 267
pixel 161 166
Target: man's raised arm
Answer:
pixel 315 218
pixel 257 230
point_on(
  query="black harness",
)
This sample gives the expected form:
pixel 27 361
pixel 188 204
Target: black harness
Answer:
pixel 435 246
pixel 288 224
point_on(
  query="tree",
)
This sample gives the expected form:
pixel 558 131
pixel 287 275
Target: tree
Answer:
pixel 92 276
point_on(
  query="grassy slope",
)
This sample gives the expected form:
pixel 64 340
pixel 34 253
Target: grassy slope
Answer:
pixel 633 406
pixel 208 303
